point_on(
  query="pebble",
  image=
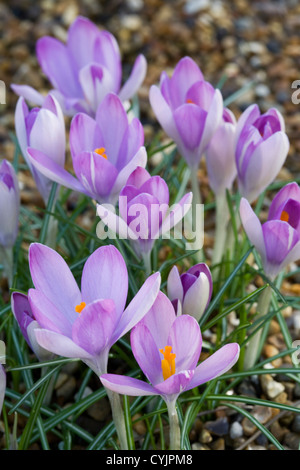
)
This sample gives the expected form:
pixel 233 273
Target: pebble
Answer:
pixel 205 437
pixel 278 431
pixel 219 444
pixel 236 430
pixel 219 427
pixel 198 446
pixel 292 440
pixel 100 410
pixel 270 386
pixel 296 424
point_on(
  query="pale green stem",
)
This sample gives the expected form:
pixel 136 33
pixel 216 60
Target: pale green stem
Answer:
pixel 222 217
pixel 196 200
pixel 52 232
pixel 174 426
pixel 253 345
pixel 147 262
pixel 6 257
pixel 118 417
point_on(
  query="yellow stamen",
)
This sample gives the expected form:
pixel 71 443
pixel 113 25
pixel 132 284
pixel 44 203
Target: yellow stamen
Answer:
pixel 284 216
pixel 168 362
pixel 80 307
pixel 101 151
pixel 190 101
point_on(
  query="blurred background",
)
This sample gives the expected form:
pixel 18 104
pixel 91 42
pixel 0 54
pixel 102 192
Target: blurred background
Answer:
pixel 238 44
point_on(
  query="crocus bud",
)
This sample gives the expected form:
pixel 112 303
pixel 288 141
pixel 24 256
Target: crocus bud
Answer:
pixel 220 155
pixel 44 130
pixel 277 240
pixel 191 291
pixel 188 108
pixel 28 324
pixel 261 149
pixel 2 386
pixel 9 204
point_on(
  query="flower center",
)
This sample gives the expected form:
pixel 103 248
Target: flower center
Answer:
pixel 284 216
pixel 168 362
pixel 80 307
pixel 101 151
pixel 190 101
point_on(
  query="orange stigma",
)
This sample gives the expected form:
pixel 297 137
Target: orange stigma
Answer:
pixel 284 216
pixel 190 101
pixel 168 362
pixel 80 307
pixel 101 151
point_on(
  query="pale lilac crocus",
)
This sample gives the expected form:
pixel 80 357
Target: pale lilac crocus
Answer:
pixel 167 349
pixel 23 314
pixel 85 69
pixel 261 149
pixel 220 155
pixel 85 323
pixel 2 386
pixel 44 130
pixel 191 291
pixel 188 108
pixel 9 204
pixel 277 240
pixel 144 209
pixel 105 151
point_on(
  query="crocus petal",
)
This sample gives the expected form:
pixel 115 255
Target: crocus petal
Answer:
pixel 135 79
pixel 186 341
pixel 139 306
pixel 146 353
pixel 94 326
pixel 292 256
pixel 22 311
pixel 95 81
pixel 190 122
pixel 214 366
pixel 213 120
pixel 60 344
pixel 186 73
pixel 248 117
pixel 28 93
pixel 21 113
pixel 174 285
pixel 138 177
pixel 289 191
pixel 41 353
pixel 252 227
pixel 82 36
pixel 177 213
pixel 2 386
pixel 84 133
pixel 127 385
pixel 107 53
pixel 104 276
pixel 197 297
pixel 175 384
pixel 115 223
pixel 52 276
pixel 163 112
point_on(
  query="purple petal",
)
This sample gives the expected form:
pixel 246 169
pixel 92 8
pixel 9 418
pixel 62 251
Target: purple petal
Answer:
pixel 247 118
pixel 52 276
pixel 175 384
pixel 163 112
pixel 177 212
pixel 174 285
pixel 127 385
pixel 186 73
pixel 197 297
pixel 138 177
pixel 82 36
pixel 2 386
pixel 84 135
pixel 115 223
pixel 22 311
pixel 186 341
pixel 146 353
pixel 190 122
pixel 96 83
pixel 201 94
pixel 289 191
pixel 217 364
pixel 104 276
pixel 135 79
pixel 106 52
pixel 60 344
pixel 252 227
pixel 28 93
pixel 133 140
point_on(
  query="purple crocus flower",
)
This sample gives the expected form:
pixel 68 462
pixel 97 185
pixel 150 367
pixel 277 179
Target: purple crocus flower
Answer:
pixel 85 69
pixel 9 204
pixel 23 314
pixel 2 386
pixel 145 214
pixel 167 349
pixel 85 324
pixel 104 151
pixel 191 291
pixel 188 108
pixel 261 149
pixel 44 130
pixel 277 240
pixel 220 155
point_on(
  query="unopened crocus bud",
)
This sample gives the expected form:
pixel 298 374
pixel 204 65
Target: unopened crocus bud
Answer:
pixel 9 204
pixel 277 240
pixel 220 155
pixel 191 291
pixel 261 149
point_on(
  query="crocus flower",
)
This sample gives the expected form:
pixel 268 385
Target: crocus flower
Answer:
pixel 85 324
pixel 220 155
pixel 188 108
pixel 167 349
pixel 104 151
pixel 191 291
pixel 277 240
pixel 145 214
pixel 23 314
pixel 44 130
pixel 85 69
pixel 261 149
pixel 9 204
pixel 2 386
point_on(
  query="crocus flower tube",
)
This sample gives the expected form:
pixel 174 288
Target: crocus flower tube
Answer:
pixel 277 240
pixel 105 151
pixel 85 69
pixel 2 386
pixel 145 214
pixel 188 108
pixel 9 204
pixel 191 291
pixel 44 130
pixel 23 314
pixel 167 349
pixel 261 149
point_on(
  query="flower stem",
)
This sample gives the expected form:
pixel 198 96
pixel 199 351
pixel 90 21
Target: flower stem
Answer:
pixel 222 217
pixel 118 417
pixel 197 200
pixel 174 426
pixel 51 232
pixel 253 345
pixel 147 262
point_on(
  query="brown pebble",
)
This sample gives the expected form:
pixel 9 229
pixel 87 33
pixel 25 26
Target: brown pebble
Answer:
pixel 219 444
